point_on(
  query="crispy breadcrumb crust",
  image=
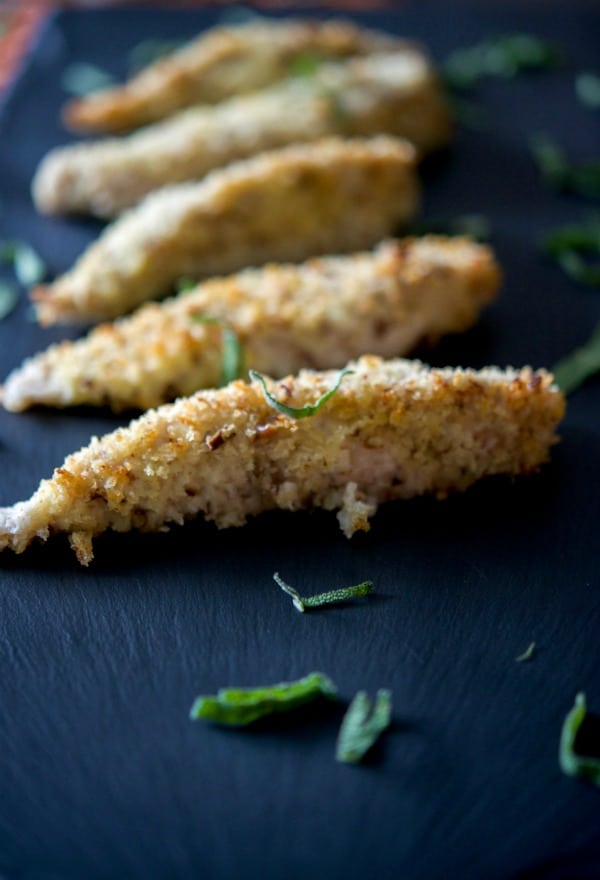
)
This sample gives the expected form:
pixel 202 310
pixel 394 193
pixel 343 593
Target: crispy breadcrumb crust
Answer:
pixel 219 63
pixel 394 429
pixel 318 314
pixel 330 196
pixel 382 94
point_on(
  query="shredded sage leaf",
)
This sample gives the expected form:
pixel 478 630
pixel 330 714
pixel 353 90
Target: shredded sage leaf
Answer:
pixel 236 15
pixel 28 266
pixel 476 226
pixel 9 297
pixel 362 725
pixel 572 371
pixel 240 706
pixel 503 56
pixel 305 64
pixel 587 89
pixel 186 284
pixel 527 654
pixel 298 412
pixel 556 170
pixel 344 594
pixel 468 113
pixel 232 354
pixel 572 763
pixel 148 51
pixel 571 245
pixel 81 79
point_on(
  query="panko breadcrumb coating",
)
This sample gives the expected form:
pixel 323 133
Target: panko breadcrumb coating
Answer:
pixel 330 196
pixel 392 429
pixel 219 63
pixel 381 94
pixel 318 314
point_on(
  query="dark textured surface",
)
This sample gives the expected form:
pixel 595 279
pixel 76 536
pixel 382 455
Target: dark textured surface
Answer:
pixel 101 773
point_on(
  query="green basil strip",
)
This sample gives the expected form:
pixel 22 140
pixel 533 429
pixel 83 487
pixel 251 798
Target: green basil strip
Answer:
pixel 237 707
pixel 148 51
pixel 81 79
pixel 9 297
pixel 344 594
pixel 527 654
pixel 28 266
pixel 504 56
pixel 362 725
pixel 557 171
pixel 232 354
pixel 572 371
pixel 185 284
pixel 571 763
pixel 587 89
pixel 298 412
pixel 305 64
pixel 570 245
pixel 476 226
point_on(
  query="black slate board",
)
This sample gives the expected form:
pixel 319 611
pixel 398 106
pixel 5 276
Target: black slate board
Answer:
pixel 101 773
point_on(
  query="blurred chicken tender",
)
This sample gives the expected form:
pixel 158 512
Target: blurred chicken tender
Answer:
pixel 222 62
pixel 331 196
pixel 382 94
pixel 318 314
pixel 393 429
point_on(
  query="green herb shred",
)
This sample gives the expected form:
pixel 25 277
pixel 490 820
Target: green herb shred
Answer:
pixel 476 226
pixel 305 64
pixel 572 371
pixel 527 654
pixel 504 56
pixel 237 707
pixel 572 763
pixel 27 265
pixel 587 89
pixel 9 298
pixel 185 284
pixel 81 79
pixel 362 724
pixel 298 412
pixel 232 355
pixel 572 246
pixel 148 51
pixel 344 594
pixel 556 170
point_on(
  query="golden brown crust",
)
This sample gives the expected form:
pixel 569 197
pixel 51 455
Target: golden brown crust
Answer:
pixel 393 429
pixel 381 94
pixel 330 196
pixel 216 65
pixel 318 314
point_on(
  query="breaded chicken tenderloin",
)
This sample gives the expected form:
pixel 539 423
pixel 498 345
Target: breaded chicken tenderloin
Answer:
pixel 393 94
pixel 222 62
pixel 330 196
pixel 318 314
pixel 392 429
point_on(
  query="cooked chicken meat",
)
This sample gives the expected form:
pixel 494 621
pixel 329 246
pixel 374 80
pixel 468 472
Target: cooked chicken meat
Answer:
pixel 317 314
pixel 329 196
pixel 381 94
pixel 392 430
pixel 222 62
